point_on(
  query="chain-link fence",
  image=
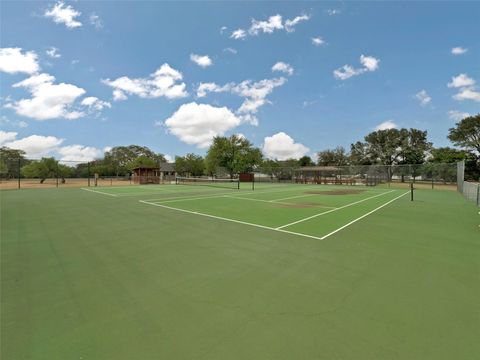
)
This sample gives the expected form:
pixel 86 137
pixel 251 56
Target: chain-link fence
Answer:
pixel 429 174
pixel 19 173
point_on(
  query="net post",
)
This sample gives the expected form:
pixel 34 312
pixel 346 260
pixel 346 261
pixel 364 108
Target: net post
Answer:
pixel 478 195
pixel 411 191
pixel 253 181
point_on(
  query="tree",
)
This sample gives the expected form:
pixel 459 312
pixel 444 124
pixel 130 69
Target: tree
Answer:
pixel 46 168
pixel 446 155
pixel 305 161
pixel 120 157
pixel 466 134
pixel 359 154
pixel 10 159
pixel 142 161
pixel 332 157
pixel 190 164
pixel 236 154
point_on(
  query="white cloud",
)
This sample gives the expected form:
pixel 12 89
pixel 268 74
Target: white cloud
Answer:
pixel 6 121
pixel 332 12
pixel 35 145
pixel 459 50
pixel 230 50
pixel 201 60
pixel 254 94
pixel 423 97
pixel 223 29
pixel 269 26
pixel 386 125
pixel 62 14
pixel 273 23
pixel 466 86
pixel 283 67
pixel 369 63
pixel 49 100
pixel 107 149
pixel 78 153
pixel 13 61
pixel 458 115
pixel 22 124
pixel 467 94
pixel 52 51
pixel 239 34
pixel 282 147
pixel 169 158
pixel 95 21
pixel 6 136
pixel 290 24
pixel 317 41
pixel 162 83
pixel 197 124
pixel 461 80
pixel 95 103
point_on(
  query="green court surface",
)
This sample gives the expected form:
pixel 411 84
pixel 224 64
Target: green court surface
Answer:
pixel 281 272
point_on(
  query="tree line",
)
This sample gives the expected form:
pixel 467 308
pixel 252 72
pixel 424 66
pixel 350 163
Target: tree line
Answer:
pixel 228 156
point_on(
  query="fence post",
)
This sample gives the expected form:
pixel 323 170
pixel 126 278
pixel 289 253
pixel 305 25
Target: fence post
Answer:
pixel 18 174
pixel 88 173
pixel 56 173
pixel 478 195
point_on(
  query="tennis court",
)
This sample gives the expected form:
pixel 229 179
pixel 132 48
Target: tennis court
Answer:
pixel 284 271
pixel 296 209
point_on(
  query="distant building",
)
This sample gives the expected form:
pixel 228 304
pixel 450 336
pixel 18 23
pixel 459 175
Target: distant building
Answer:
pixel 154 175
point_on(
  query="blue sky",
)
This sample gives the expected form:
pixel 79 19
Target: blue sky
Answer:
pixel 293 77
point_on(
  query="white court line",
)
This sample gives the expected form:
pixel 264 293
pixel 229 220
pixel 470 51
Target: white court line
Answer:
pixel 99 192
pixel 294 197
pixel 231 220
pixel 227 193
pixel 361 217
pixel 275 201
pixel 329 211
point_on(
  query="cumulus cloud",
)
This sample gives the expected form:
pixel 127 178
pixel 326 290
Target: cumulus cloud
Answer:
pixel 458 50
pixel 197 124
pixel 317 41
pixel 386 125
pixel 165 82
pixel 201 60
pixel 290 24
pixel 466 88
pixel 95 21
pixel 369 64
pixel 52 51
pixel 13 61
pixel 6 136
pixel 48 100
pixel 254 94
pixel 79 153
pixel 460 81
pixel 458 115
pixel 282 147
pixel 239 34
pixel 64 14
pixel 423 97
pixel 95 103
pixel 467 94
pixel 35 145
pixel 273 23
pixel 283 67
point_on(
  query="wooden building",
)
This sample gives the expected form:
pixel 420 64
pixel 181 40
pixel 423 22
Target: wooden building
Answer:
pixel 146 175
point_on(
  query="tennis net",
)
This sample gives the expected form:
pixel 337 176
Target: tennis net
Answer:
pixel 222 183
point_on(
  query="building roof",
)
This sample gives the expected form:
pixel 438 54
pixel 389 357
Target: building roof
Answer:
pixel 146 168
pixel 167 167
